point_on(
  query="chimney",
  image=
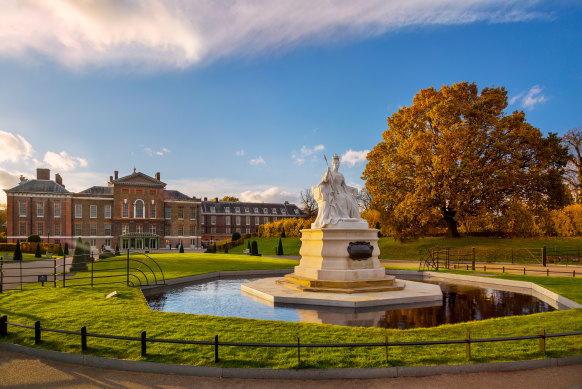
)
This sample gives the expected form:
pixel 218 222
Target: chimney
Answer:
pixel 158 176
pixel 205 198
pixel 216 199
pixel 59 179
pixel 43 174
pixel 110 178
pixel 286 202
pixel 116 174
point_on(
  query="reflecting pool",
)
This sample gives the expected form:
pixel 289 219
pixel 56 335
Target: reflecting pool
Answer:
pixel 460 303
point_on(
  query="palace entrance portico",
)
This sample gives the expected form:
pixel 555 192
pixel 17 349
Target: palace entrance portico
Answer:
pixel 139 241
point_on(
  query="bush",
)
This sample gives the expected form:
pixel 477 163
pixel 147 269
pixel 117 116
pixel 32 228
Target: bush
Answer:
pixel 80 257
pixel 181 248
pixel 117 253
pixel 254 248
pixel 34 239
pixel 17 252
pixel 235 236
pixel 106 254
pixel 282 232
pixel 60 251
pixel 37 253
pixel 289 227
pixel 226 249
pixel 66 248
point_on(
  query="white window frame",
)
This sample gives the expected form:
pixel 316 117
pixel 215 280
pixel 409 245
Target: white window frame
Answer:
pixel 93 229
pixel 107 212
pixel 168 213
pixel 107 229
pixel 237 209
pixel 125 210
pixel 78 211
pixel 22 209
pixel 248 220
pixel 40 231
pixel 226 209
pixel 152 210
pixel 213 220
pixel 152 228
pixel 78 229
pixel 136 211
pixel 57 227
pixel 57 210
pixel 238 220
pixel 93 211
pixel 40 209
pixel 227 220
pixel 257 222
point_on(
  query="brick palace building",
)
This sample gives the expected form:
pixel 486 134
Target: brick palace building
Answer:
pixel 135 212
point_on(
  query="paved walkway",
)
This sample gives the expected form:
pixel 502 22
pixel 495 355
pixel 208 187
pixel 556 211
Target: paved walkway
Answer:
pixel 517 268
pixel 15 273
pixel 19 371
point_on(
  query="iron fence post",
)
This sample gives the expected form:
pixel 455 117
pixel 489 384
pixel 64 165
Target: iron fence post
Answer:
pixel 83 338
pixel 55 272
pixel 468 345
pixel 37 332
pixel 127 267
pixel 3 325
pixel 216 349
pixel 543 341
pixel 473 262
pixel 298 353
pixel 20 266
pixel 143 344
pixel 91 271
pixel 64 270
pixel 1 274
pixel 544 255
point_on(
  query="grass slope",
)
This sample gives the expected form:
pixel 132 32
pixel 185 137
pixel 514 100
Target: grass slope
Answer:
pixel 267 246
pixel 128 314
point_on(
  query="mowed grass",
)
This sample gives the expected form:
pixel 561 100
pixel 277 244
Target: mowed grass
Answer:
pixel 495 249
pixel 267 246
pixel 25 256
pixel 128 314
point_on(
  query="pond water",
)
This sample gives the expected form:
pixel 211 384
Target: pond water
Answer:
pixel 460 303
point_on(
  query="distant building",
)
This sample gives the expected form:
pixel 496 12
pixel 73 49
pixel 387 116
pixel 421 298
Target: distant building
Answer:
pixel 135 211
pixel 221 218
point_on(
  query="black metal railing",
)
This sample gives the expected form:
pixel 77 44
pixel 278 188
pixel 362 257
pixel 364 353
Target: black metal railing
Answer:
pixel 132 269
pixel 144 340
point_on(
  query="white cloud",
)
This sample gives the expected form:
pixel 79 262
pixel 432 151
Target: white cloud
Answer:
pixel 14 148
pixel 159 153
pixel 177 33
pixel 257 161
pixel 63 161
pixel 351 157
pixel 240 152
pixel 305 151
pixel 270 195
pixel 8 179
pixel 529 99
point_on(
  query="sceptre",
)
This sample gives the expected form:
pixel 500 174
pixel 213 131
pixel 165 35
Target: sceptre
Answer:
pixel 327 163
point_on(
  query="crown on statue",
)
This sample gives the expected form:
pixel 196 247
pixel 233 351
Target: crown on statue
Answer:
pixel 335 157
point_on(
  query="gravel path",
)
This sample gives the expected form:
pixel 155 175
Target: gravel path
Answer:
pixel 19 371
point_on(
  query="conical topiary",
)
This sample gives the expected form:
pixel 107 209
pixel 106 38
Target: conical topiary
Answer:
pixel 255 248
pixel 282 232
pixel 117 253
pixel 37 251
pixel 17 252
pixel 79 257
pixel 181 248
pixel 66 248
pixel 60 252
pixel 280 248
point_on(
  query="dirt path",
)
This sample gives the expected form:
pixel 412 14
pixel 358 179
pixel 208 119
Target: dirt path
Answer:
pixel 20 371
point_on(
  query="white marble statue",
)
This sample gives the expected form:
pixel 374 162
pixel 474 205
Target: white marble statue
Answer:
pixel 336 200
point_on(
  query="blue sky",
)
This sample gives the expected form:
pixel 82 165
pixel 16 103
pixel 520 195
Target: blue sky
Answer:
pixel 244 97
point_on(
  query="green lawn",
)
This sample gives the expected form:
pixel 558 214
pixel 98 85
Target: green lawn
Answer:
pixel 128 314
pixel 25 256
pixel 267 246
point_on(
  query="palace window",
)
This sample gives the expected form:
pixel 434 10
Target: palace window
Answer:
pixel 40 229
pixel 296 211
pixel 274 210
pixel 283 211
pixel 168 213
pixel 247 210
pixel 152 211
pixel 78 211
pixel 180 231
pixel 108 212
pixel 40 209
pixel 138 211
pixel 265 211
pixel 107 230
pixel 192 213
pixel 237 209
pixel 238 220
pixel 256 210
pixel 57 209
pixel 92 229
pixel 181 213
pixel 22 209
pixel 257 222
pixel 92 211
pixel 139 228
pixel 227 220
pixel 125 229
pixel 226 209
pixel 78 229
pixel 212 209
pixel 125 210
pixel 228 230
pixel 152 228
pixel 57 229
pixel 248 220
pixel 192 230
pixel 22 229
pixel 213 230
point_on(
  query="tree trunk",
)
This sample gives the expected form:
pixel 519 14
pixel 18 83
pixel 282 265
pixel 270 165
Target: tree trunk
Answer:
pixel 449 218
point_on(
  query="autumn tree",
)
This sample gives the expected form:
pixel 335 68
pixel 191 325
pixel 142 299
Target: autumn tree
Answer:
pixel 572 140
pixel 454 154
pixel 307 203
pixel 230 198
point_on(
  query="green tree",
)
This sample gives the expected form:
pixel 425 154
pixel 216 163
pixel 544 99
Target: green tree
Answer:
pixel 230 198
pixel 572 140
pixel 235 236
pixel 60 252
pixel 454 154
pixel 117 253
pixel 37 253
pixel 254 248
pixel 34 239
pixel 282 231
pixel 66 248
pixel 181 248
pixel 17 252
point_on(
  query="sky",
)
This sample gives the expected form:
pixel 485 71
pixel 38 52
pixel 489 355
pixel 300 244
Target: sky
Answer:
pixel 244 98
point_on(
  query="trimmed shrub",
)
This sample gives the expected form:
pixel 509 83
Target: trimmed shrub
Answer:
pixel 34 239
pixel 80 257
pixel 235 236
pixel 181 248
pixel 66 248
pixel 37 251
pixel 226 249
pixel 280 248
pixel 254 248
pixel 282 233
pixel 60 251
pixel 106 254
pixel 17 252
pixel 249 246
pixel 117 253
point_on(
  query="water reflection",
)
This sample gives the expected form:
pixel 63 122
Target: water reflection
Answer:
pixel 460 303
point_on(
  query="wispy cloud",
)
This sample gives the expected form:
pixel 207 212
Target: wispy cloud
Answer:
pixel 159 153
pixel 257 161
pixel 529 99
pixel 270 195
pixel 240 153
pixel 352 157
pixel 178 34
pixel 14 148
pixel 305 151
pixel 63 161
